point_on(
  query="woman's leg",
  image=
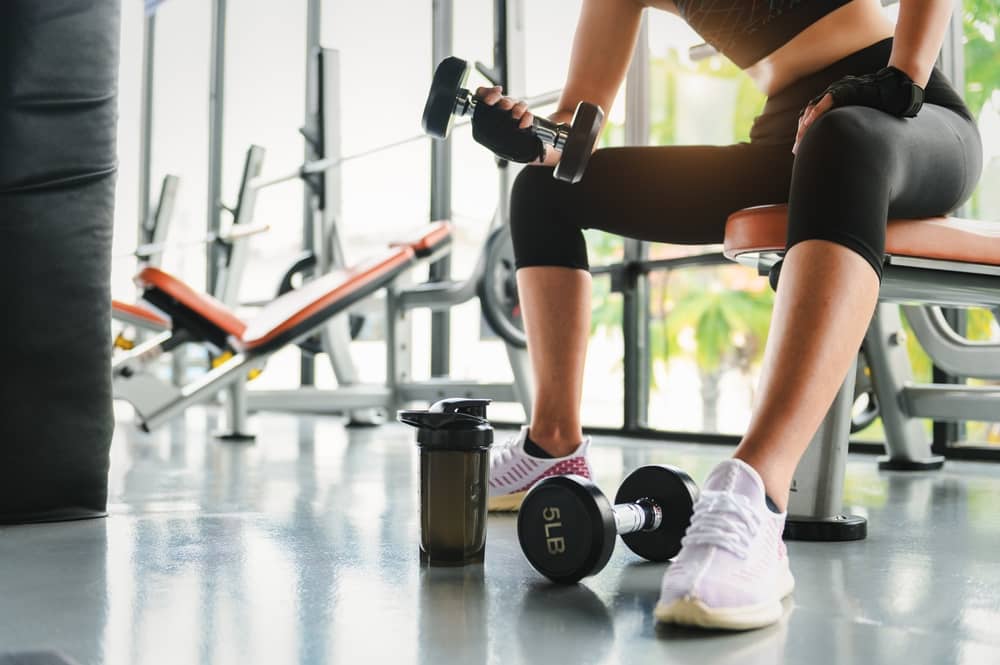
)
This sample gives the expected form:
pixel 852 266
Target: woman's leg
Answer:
pixel 814 339
pixel 555 302
pixel 672 194
pixel 855 167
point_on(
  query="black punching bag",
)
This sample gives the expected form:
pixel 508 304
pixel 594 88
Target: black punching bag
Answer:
pixel 58 114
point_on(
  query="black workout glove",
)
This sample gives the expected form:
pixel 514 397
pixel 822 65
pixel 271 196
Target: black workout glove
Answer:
pixel 889 89
pixel 498 130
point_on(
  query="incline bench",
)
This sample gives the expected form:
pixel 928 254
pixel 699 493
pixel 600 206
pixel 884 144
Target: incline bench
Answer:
pixel 245 345
pixel 941 261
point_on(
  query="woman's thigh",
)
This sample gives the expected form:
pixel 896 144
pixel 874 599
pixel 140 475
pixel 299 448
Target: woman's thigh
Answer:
pixel 671 194
pixel 856 167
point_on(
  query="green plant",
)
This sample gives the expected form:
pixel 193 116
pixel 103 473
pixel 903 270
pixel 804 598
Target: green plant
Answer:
pixel 981 29
pixel 729 323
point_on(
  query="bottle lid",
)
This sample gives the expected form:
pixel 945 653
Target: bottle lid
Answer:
pixel 451 424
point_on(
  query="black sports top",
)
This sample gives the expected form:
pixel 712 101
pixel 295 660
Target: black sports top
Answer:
pixel 747 30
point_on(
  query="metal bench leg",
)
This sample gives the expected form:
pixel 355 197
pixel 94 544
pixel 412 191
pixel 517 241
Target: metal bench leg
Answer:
pixel 814 507
pixel 906 439
pixel 236 428
pixel 336 341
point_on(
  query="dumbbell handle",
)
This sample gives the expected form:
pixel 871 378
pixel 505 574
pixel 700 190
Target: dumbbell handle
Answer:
pixel 548 132
pixel 643 515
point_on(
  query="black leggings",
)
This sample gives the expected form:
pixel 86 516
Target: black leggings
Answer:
pixel 855 168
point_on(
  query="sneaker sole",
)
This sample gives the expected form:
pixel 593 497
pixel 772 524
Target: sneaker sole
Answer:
pixel 505 503
pixel 692 612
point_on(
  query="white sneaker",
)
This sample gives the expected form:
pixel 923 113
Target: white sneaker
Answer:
pixel 732 571
pixel 513 471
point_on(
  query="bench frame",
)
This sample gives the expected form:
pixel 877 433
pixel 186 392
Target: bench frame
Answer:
pixel 918 288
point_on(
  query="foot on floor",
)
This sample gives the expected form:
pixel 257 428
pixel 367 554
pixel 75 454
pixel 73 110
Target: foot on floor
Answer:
pixel 513 471
pixel 732 571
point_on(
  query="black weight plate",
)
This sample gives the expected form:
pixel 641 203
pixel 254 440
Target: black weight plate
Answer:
pixel 449 77
pixel 583 135
pixel 566 528
pixel 497 290
pixel 675 493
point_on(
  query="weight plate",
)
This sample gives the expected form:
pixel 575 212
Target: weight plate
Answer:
pixel 579 146
pixel 497 290
pixel 566 528
pixel 675 493
pixel 449 77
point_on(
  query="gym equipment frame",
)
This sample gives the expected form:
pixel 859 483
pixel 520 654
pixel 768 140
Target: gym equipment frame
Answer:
pixel 369 404
pixel 930 263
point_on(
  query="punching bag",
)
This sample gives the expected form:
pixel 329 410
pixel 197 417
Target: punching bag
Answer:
pixel 58 115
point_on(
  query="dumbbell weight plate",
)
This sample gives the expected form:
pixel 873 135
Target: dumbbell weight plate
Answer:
pixel 566 528
pixel 586 127
pixel 675 493
pixel 449 78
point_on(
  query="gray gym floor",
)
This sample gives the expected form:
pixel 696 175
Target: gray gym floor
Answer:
pixel 302 549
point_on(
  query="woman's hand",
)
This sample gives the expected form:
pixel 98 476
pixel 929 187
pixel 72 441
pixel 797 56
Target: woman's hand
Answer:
pixel 890 90
pixel 809 115
pixel 519 112
pixel 503 125
pixel 494 97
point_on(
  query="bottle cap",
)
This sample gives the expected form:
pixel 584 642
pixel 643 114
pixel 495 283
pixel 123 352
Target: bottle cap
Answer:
pixel 451 424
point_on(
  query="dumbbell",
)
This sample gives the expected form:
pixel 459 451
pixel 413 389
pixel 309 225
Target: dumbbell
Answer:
pixel 567 527
pixel 448 98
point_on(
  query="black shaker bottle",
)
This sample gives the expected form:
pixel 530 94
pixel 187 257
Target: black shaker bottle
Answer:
pixel 454 438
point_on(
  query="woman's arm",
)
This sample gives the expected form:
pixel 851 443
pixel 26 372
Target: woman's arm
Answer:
pixel 920 32
pixel 602 50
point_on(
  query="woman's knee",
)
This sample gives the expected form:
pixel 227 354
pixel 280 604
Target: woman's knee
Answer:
pixel 847 134
pixel 843 175
pixel 541 230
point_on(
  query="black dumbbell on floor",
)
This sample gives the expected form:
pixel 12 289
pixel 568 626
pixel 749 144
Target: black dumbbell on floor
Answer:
pixel 567 527
pixel 448 98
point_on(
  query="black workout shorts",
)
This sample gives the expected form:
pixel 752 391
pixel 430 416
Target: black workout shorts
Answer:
pixel 855 168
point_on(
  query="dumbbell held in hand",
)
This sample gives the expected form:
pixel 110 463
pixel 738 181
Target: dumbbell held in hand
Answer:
pixel 449 98
pixel 567 527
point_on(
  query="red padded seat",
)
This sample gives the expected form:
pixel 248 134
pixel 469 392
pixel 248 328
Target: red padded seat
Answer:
pixel 429 240
pixel 297 312
pixel 211 310
pixel 762 230
pixel 139 312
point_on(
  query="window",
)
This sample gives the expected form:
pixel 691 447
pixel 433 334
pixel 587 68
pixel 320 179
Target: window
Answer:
pixel 707 324
pixel 981 33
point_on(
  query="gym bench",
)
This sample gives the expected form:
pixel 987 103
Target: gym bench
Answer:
pixel 244 346
pixel 934 262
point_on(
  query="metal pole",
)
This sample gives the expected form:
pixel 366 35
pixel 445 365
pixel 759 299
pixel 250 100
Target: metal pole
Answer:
pixel 146 125
pixel 442 38
pixel 951 60
pixel 635 304
pixel 216 117
pixel 313 151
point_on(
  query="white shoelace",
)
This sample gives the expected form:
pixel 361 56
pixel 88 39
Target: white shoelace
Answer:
pixel 725 520
pixel 503 453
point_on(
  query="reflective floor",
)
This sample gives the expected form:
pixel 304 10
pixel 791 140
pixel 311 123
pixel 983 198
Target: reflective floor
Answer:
pixel 302 549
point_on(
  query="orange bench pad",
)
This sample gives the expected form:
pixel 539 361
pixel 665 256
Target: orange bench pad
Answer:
pixel 763 229
pixel 140 312
pixel 204 305
pixel 295 308
pixel 429 238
